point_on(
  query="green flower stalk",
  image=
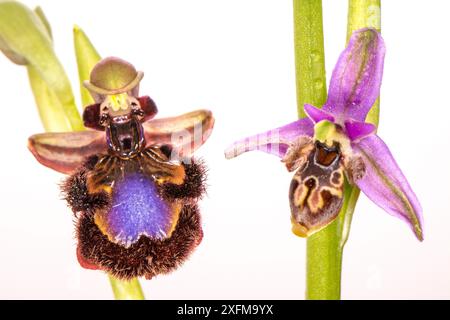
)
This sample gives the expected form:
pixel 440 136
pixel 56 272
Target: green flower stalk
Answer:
pixel 324 254
pixel 126 290
pixel 309 54
pixel 26 39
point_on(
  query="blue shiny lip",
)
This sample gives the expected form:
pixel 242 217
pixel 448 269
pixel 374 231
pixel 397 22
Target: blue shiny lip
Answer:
pixel 138 209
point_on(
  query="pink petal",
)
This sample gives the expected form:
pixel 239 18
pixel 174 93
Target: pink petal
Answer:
pixel 316 114
pixel 357 130
pixel 66 151
pixel 275 141
pixel 385 184
pixel 185 133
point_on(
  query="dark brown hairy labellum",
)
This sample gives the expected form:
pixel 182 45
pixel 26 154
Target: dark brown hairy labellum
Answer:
pixel 75 191
pixel 146 257
pixel 194 186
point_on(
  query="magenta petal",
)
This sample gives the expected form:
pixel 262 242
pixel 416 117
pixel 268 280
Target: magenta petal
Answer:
pixel 275 141
pixel 385 184
pixel 316 114
pixel 357 130
pixel 356 79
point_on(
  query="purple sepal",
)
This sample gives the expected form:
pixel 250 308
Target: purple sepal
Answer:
pixel 316 114
pixel 275 141
pixel 356 79
pixel 385 184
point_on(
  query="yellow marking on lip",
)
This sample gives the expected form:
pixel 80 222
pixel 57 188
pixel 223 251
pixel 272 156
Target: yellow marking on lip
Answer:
pixel 95 188
pixel 328 133
pixel 176 209
pixel 100 221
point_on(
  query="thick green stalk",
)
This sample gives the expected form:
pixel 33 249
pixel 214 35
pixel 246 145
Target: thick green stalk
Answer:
pixel 323 266
pixel 325 248
pixel 126 290
pixel 87 56
pixel 309 54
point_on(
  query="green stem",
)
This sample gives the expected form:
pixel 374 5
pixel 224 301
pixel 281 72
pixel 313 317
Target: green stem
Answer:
pixel 309 54
pixel 323 266
pixel 126 290
pixel 325 248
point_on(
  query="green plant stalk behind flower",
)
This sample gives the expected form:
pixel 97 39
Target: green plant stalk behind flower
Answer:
pixel 26 39
pixel 309 54
pixel 325 248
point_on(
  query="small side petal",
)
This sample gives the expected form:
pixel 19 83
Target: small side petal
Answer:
pixel 356 79
pixel 316 114
pixel 185 133
pixel 275 141
pixel 385 184
pixel 66 151
pixel 357 130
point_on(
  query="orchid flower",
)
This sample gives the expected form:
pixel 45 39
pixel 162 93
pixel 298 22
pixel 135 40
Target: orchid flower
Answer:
pixel 335 143
pixel 134 184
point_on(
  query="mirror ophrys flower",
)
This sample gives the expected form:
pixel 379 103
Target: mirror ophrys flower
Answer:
pixel 133 183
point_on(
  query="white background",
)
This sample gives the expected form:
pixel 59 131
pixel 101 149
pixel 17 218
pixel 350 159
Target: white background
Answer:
pixel 236 58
